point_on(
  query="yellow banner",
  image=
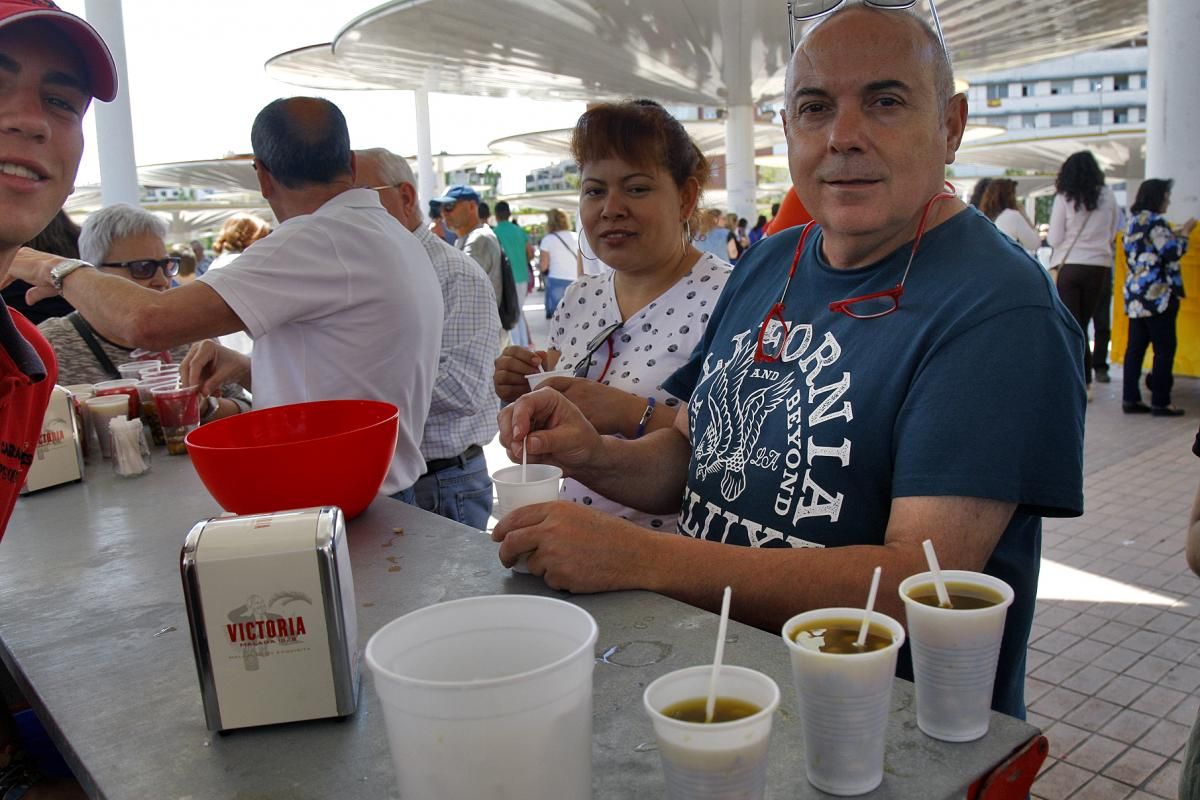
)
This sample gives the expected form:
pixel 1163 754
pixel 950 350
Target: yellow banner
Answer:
pixel 1187 326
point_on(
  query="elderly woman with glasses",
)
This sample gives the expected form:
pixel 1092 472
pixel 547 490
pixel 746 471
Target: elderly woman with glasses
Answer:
pixel 125 241
pixel 624 332
pixel 120 240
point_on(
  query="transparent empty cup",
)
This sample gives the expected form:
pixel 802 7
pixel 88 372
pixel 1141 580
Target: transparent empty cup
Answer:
pixel 955 652
pixel 844 702
pixel 132 370
pixel 488 697
pixel 130 453
pixel 178 413
pixel 540 485
pixel 711 761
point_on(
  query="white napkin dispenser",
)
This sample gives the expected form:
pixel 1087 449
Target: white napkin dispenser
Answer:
pixel 59 455
pixel 270 602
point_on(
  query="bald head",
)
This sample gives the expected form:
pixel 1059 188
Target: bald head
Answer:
pixel 934 54
pixel 302 141
pixel 869 136
pixel 392 177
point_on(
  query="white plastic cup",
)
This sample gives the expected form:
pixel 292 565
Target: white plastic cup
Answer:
pixel 131 370
pixel 82 391
pixel 844 704
pixel 535 378
pixel 542 486
pixel 716 761
pixel 101 410
pixel 955 652
pixel 489 697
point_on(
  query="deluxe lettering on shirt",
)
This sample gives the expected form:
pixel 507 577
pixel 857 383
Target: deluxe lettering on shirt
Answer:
pixel 736 398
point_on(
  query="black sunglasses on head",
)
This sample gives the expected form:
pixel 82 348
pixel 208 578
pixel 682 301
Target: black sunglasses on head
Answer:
pixel 144 268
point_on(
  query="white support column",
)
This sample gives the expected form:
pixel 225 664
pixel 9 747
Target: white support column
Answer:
pixel 1135 172
pixel 114 122
pixel 427 184
pixel 1174 114
pixel 740 177
pixel 736 50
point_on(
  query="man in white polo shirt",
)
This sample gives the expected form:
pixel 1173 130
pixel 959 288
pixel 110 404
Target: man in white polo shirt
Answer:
pixel 341 300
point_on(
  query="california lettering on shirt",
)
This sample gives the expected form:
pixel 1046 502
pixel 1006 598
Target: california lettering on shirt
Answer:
pixel 734 401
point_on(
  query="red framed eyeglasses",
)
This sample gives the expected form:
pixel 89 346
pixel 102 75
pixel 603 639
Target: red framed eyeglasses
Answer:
pixel 867 306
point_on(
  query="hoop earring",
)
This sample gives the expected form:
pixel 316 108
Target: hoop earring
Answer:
pixel 687 231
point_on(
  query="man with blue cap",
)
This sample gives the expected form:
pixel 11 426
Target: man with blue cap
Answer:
pixel 460 210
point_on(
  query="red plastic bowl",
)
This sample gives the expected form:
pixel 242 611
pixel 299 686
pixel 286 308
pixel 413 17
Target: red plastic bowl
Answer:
pixel 325 453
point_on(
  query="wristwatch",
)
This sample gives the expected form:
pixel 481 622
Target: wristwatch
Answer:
pixel 60 271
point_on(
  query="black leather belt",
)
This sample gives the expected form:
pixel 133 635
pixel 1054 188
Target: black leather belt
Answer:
pixel 460 460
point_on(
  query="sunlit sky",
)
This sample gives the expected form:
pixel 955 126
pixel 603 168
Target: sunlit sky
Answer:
pixel 196 80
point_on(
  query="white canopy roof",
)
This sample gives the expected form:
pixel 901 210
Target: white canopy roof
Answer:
pixel 678 51
pixel 708 134
pixel 1041 153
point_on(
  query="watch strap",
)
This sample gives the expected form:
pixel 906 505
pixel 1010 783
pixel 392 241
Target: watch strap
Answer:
pixel 60 271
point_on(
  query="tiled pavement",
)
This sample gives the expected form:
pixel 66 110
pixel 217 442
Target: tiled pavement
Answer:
pixel 1114 660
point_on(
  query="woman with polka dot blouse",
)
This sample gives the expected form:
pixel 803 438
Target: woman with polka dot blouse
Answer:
pixel 624 332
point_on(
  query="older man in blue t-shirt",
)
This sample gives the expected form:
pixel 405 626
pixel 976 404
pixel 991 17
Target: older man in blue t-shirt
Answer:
pixel 897 371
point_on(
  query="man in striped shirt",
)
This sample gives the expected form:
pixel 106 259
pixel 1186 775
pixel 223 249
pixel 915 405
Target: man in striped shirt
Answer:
pixel 462 415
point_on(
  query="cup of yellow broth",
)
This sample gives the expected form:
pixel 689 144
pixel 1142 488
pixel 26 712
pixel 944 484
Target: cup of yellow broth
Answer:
pixel 724 758
pixel 845 694
pixel 955 650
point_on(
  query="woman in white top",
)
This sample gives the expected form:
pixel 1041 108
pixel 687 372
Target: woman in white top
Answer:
pixel 999 204
pixel 1083 222
pixel 624 332
pixel 558 260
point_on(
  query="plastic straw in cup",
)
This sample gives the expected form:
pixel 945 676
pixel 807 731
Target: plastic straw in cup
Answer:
pixel 711 706
pixel 524 460
pixel 939 585
pixel 866 623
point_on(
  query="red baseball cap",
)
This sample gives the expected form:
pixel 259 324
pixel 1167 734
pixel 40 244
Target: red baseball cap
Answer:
pixel 102 72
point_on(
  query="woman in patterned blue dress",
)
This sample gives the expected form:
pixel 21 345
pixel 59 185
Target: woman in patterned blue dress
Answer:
pixel 1153 288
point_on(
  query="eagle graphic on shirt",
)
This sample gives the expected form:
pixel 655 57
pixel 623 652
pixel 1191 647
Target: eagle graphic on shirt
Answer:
pixel 728 441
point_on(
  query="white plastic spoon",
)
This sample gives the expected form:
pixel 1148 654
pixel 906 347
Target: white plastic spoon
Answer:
pixel 939 585
pixel 711 705
pixel 866 623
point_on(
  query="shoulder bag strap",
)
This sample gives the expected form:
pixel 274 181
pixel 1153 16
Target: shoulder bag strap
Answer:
pixel 564 243
pixel 85 333
pixel 1078 233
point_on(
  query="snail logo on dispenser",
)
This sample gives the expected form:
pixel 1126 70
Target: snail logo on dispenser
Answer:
pixel 257 631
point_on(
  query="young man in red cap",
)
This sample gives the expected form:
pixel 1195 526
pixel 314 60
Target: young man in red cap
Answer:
pixel 51 66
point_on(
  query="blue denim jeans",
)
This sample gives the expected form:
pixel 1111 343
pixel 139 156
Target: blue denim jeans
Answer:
pixel 461 493
pixel 555 289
